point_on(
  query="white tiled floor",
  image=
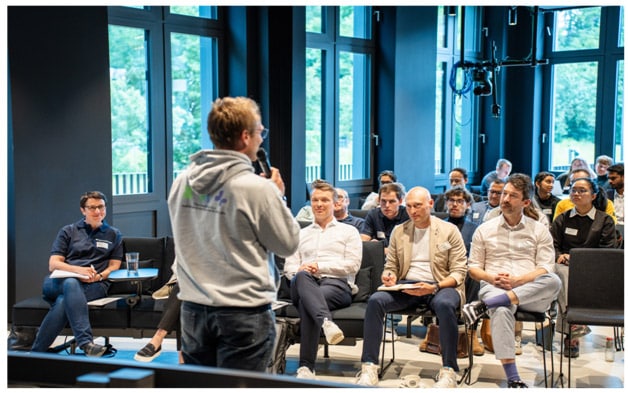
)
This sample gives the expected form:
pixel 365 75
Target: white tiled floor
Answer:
pixel 590 370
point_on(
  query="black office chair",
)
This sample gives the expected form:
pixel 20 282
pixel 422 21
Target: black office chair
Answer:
pixel 539 319
pixel 411 314
pixel 596 295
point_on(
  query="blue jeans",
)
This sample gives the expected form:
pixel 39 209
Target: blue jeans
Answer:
pixel 444 304
pixel 228 337
pixel 68 299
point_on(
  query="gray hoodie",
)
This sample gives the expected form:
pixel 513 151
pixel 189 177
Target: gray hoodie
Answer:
pixel 227 221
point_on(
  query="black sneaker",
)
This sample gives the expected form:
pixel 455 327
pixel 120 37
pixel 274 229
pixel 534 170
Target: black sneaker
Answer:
pixel 471 312
pixel 94 350
pixel 148 353
pixel 517 384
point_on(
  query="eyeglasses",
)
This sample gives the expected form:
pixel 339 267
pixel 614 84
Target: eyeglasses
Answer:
pixel 94 208
pixel 579 191
pixel 264 133
pixel 492 192
pixel 456 201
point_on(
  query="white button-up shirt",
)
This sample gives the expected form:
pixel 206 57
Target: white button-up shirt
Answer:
pixel 337 250
pixel 499 248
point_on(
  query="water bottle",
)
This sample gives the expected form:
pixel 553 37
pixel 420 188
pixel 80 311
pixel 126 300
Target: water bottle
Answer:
pixel 609 351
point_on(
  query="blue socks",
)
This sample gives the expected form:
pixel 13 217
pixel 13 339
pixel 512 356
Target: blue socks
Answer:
pixel 497 301
pixel 511 371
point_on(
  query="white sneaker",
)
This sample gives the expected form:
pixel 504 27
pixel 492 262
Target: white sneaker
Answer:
pixel 389 336
pixel 518 349
pixel 304 372
pixel 447 378
pixel 368 376
pixel 333 334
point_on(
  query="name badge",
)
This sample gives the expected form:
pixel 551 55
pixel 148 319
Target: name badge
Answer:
pixel 444 246
pixel 571 231
pixel 547 211
pixel 102 244
pixel 476 215
pixel 381 235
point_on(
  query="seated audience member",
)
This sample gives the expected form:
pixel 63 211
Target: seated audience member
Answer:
pixel 600 202
pixel 458 202
pixel 616 192
pixel 564 178
pixel 584 226
pixel 379 223
pixel 341 210
pixel 601 171
pixel 458 177
pixel 502 170
pixel 512 258
pixel 545 200
pixel 93 249
pixel 429 252
pixel 531 210
pixel 169 322
pixel 479 209
pixel 322 274
pixel 372 200
pixel 305 213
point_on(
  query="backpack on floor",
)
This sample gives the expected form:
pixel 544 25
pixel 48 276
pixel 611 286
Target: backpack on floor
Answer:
pixel 287 334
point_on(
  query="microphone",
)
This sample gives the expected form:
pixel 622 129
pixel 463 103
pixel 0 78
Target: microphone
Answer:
pixel 263 162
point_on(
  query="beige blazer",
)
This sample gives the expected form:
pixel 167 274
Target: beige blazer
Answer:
pixel 448 254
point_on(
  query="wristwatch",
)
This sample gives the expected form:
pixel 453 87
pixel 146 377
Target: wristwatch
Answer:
pixel 436 289
pixel 100 276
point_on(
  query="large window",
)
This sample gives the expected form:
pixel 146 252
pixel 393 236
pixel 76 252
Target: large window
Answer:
pixel 456 107
pixel 160 58
pixel 339 58
pixel 585 84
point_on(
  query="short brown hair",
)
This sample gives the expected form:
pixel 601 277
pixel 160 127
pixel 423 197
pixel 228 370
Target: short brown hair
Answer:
pixel 324 186
pixel 229 117
pixel 92 195
pixel 522 183
pixel 458 191
pixel 393 187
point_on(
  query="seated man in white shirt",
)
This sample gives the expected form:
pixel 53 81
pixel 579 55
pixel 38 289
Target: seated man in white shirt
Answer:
pixel 322 274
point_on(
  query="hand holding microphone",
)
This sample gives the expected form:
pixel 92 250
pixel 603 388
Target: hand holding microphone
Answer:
pixel 268 171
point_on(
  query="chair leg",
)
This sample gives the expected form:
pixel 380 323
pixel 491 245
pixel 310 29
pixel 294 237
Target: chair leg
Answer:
pixel 383 368
pixel 466 375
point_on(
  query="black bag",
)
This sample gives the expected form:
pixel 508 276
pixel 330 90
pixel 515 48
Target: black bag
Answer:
pixel 287 334
pixel 21 338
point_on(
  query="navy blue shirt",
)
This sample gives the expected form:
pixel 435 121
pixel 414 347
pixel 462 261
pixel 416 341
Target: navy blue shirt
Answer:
pixel 379 227
pixel 357 222
pixel 83 246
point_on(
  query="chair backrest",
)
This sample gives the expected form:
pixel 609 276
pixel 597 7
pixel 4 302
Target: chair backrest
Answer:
pixel 596 278
pixel 358 213
pixel 373 256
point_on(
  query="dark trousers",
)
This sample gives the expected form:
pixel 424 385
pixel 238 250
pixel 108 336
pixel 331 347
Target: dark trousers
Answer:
pixel 170 318
pixel 444 304
pixel 314 298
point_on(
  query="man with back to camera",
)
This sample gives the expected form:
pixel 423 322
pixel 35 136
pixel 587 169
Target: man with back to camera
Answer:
pixel 322 275
pixel 227 277
pixel 502 170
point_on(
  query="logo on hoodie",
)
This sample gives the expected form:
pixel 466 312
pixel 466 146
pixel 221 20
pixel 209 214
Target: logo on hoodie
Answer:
pixel 204 201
